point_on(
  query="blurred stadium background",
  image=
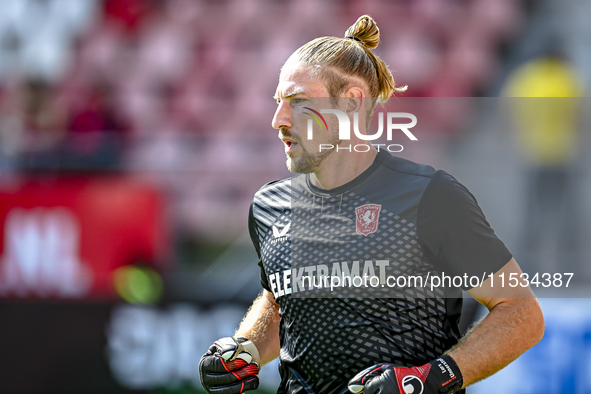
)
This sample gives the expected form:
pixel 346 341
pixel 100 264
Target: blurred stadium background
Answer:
pixel 133 134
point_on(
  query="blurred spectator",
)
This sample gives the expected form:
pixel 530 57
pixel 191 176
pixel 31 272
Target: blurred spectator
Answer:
pixel 546 113
pixel 32 122
pixel 127 14
pixel 96 113
pixel 96 129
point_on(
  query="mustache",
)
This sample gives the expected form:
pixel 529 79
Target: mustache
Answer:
pixel 286 133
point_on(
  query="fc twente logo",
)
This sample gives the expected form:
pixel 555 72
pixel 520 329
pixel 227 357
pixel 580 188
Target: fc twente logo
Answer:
pixel 367 217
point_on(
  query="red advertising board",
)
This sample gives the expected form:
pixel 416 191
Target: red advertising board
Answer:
pixel 62 237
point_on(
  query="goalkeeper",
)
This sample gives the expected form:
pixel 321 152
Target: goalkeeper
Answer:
pixel 366 207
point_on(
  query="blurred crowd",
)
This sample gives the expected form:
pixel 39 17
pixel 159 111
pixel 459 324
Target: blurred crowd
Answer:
pixel 185 86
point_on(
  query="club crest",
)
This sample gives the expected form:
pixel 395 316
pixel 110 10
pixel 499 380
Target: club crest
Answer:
pixel 367 217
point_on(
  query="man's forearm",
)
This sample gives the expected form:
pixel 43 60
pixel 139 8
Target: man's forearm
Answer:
pixel 261 326
pixel 512 327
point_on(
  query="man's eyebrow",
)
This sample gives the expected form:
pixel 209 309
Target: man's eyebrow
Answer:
pixel 289 93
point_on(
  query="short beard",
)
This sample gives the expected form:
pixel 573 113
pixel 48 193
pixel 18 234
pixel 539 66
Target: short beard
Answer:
pixel 310 162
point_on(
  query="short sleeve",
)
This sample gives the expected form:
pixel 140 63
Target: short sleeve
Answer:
pixel 255 241
pixel 453 232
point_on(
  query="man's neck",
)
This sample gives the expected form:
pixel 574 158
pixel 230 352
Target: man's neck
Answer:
pixel 342 169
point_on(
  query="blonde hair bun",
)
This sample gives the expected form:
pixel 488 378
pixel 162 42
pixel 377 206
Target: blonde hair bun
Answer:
pixel 366 30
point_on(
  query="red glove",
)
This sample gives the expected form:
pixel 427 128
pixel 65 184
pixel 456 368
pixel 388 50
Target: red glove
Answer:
pixel 440 376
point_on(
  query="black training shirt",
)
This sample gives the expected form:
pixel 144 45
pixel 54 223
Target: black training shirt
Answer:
pixel 396 219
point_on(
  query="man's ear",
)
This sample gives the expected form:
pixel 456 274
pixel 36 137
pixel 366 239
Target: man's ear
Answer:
pixel 354 99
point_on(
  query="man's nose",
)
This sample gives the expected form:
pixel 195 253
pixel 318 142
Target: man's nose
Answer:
pixel 282 117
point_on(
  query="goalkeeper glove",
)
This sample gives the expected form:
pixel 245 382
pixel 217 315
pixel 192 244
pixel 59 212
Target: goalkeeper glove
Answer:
pixel 440 376
pixel 230 366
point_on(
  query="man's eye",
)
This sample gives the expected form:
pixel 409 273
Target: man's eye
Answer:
pixel 298 100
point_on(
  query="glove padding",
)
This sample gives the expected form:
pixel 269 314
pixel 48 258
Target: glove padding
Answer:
pixel 230 366
pixel 440 376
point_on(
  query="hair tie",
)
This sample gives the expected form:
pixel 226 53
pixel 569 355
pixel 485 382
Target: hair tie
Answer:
pixel 354 38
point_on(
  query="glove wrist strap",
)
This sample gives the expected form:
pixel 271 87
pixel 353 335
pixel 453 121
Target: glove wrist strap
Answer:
pixel 250 347
pixel 445 375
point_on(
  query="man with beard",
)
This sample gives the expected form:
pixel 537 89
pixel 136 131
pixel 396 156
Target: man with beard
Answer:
pixel 360 211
